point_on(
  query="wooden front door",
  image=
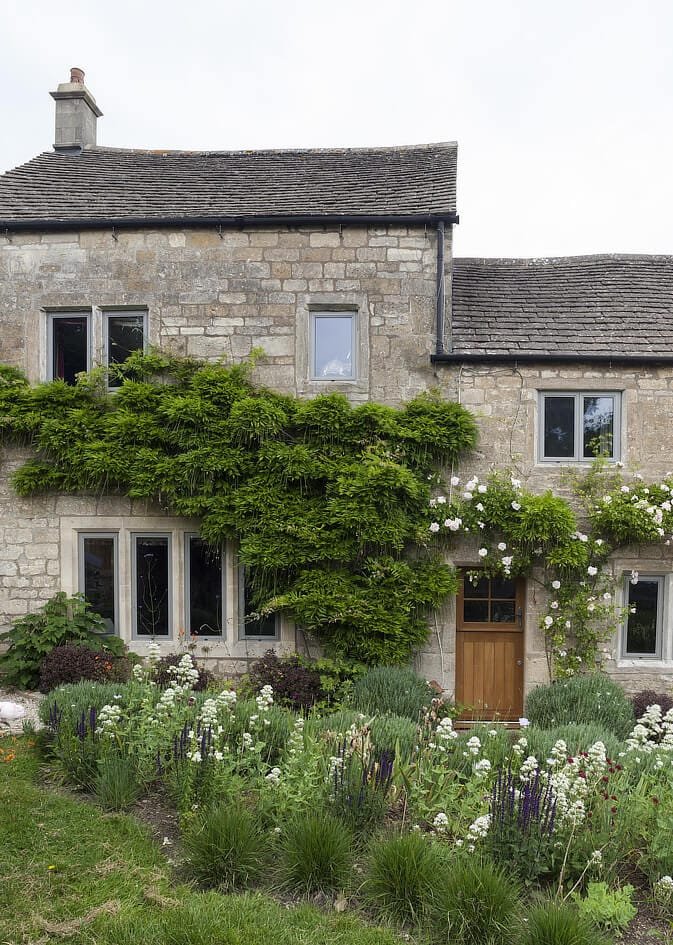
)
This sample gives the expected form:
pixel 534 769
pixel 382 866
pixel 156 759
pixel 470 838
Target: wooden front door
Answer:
pixel 489 648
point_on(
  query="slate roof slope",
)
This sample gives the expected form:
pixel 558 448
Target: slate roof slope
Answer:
pixel 123 185
pixel 575 305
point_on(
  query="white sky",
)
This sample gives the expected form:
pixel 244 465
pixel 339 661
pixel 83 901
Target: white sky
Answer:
pixel 562 109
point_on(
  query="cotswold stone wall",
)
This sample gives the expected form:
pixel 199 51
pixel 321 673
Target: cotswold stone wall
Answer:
pixel 219 295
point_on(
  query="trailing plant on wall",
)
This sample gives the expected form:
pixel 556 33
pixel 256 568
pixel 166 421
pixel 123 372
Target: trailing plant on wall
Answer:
pixel 328 502
pixel 521 533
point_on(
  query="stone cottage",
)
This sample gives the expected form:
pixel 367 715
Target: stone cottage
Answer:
pixel 338 263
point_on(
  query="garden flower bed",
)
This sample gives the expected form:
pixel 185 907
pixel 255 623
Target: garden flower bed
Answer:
pixel 444 834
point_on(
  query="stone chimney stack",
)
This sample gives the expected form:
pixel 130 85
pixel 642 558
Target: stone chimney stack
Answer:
pixel 76 114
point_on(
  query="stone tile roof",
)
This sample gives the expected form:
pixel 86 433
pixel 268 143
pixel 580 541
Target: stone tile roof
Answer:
pixel 110 183
pixel 574 305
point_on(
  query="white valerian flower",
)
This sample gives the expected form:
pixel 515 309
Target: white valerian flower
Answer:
pixel 473 745
pixel 441 822
pixel 624 489
pixel 434 526
pixel 273 777
pixel 607 500
pixel 455 480
pixel 516 483
pixel 480 826
pixel 467 496
pixel 595 859
pixel 441 500
pixel 502 546
pixel 556 585
pixel 482 552
pixel 599 542
pixel 482 767
pixel 592 571
pixel 516 506
pixel 479 507
pixel 482 489
pixel 472 484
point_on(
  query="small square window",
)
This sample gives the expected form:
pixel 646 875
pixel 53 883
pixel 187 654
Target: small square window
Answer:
pixel 98 575
pixel 577 427
pixel 124 333
pixel 152 585
pixel 69 346
pixel 333 345
pixel 204 602
pixel 253 626
pixel 642 632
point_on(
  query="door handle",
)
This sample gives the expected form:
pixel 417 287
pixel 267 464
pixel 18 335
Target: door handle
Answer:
pixel 519 662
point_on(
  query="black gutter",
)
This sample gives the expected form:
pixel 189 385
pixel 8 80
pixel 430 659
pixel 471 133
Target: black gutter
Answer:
pixel 557 358
pixel 310 219
pixel 441 293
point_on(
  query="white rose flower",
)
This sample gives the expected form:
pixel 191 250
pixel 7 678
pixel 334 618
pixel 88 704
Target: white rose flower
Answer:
pixel 482 552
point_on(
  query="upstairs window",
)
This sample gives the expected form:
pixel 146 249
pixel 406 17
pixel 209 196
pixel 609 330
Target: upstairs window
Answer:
pixel 333 345
pixel 642 635
pixel 576 427
pixel 124 333
pixel 69 346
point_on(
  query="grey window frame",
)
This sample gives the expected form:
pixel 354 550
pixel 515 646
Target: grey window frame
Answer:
pixel 81 538
pixel 314 315
pixel 109 313
pixel 579 396
pixel 242 635
pixel 53 316
pixel 223 560
pixel 134 585
pixel 658 654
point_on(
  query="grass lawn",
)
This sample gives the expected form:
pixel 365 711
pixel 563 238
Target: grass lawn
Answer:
pixel 71 873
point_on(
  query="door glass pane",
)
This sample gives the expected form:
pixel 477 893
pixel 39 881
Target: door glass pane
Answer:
pixel 475 611
pixel 502 587
pixel 99 577
pixel 152 585
pixel 262 626
pixel 70 347
pixel 476 589
pixel 641 631
pixel 559 427
pixel 125 334
pixel 598 426
pixel 205 588
pixel 333 342
pixel 502 611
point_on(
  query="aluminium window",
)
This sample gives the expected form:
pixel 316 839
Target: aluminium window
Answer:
pixel 69 345
pixel 578 426
pixel 98 579
pixel 642 635
pixel 253 626
pixel 152 585
pixel 123 333
pixel 204 588
pixel 333 345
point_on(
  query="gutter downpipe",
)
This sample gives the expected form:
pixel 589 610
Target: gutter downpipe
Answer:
pixel 441 292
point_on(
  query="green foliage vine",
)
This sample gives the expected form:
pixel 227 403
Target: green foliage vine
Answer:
pixel 329 503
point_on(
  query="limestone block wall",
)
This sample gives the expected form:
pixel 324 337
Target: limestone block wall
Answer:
pixel 213 295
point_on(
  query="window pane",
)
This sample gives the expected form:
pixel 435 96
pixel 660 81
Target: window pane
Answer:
pixel 70 347
pixel 641 629
pixel 99 577
pixel 599 426
pixel 152 585
pixel 125 334
pixel 264 626
pixel 205 589
pixel 559 427
pixel 502 587
pixel 333 342
pixel 475 611
pixel 502 611
pixel 477 588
